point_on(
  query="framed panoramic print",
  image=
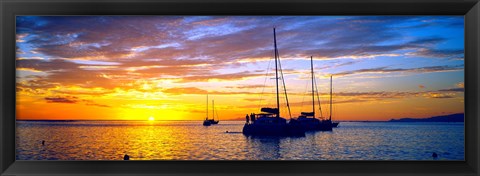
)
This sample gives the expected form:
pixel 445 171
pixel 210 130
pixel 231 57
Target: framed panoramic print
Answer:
pixel 276 88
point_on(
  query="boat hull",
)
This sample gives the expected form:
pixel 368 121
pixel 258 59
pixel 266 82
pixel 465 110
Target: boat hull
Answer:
pixel 314 124
pixel 326 125
pixel 335 124
pixel 207 123
pixel 213 122
pixel 273 129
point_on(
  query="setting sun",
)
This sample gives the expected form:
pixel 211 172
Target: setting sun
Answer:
pixel 151 118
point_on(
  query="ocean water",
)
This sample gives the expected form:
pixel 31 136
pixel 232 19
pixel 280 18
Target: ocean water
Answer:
pixel 189 140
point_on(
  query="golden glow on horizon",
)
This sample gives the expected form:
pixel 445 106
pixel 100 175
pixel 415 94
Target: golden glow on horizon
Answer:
pixel 152 100
pixel 182 106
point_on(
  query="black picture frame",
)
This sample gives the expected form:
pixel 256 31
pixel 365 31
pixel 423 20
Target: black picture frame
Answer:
pixel 10 8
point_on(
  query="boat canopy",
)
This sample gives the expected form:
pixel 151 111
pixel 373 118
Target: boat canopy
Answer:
pixel 267 120
pixel 307 113
pixel 270 110
pixel 261 115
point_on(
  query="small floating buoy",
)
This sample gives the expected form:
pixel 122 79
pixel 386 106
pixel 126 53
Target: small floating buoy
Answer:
pixel 226 131
pixel 126 157
pixel 43 142
pixel 434 155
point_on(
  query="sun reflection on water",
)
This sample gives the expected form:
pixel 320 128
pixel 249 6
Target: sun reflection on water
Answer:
pixel 189 140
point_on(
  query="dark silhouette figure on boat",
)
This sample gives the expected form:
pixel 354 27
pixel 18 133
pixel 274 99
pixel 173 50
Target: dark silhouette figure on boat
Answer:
pixel 247 119
pixel 252 117
pixel 126 157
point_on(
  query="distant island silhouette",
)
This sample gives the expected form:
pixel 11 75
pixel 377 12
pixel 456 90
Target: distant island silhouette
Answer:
pixel 446 118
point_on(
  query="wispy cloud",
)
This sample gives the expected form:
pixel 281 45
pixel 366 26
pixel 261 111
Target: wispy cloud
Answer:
pixel 194 90
pixel 429 69
pixel 68 99
pixel 99 105
pixel 435 53
pixel 453 90
pixel 252 86
pixel 229 76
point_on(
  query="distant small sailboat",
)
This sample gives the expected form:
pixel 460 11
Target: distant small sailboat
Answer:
pixel 269 122
pixel 307 119
pixel 207 121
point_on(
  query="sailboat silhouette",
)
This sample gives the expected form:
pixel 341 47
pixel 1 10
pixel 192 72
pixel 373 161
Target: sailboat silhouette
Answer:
pixel 207 121
pixel 269 122
pixel 307 119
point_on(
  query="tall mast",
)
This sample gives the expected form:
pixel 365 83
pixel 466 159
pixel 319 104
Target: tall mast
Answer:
pixel 206 118
pixel 330 97
pixel 213 109
pixel 313 95
pixel 276 71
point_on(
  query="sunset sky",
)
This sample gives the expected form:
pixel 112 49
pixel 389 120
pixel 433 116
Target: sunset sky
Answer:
pixel 163 67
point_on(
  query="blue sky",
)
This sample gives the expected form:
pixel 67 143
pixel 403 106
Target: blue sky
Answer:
pixel 193 55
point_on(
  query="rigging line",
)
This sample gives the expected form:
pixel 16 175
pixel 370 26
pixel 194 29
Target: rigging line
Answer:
pixel 206 118
pixel 304 93
pixel 334 109
pixel 313 90
pixel 318 96
pixel 264 83
pixel 331 99
pixel 284 86
pixel 216 112
pixel 331 89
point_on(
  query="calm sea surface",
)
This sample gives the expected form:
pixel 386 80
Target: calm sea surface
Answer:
pixel 189 140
